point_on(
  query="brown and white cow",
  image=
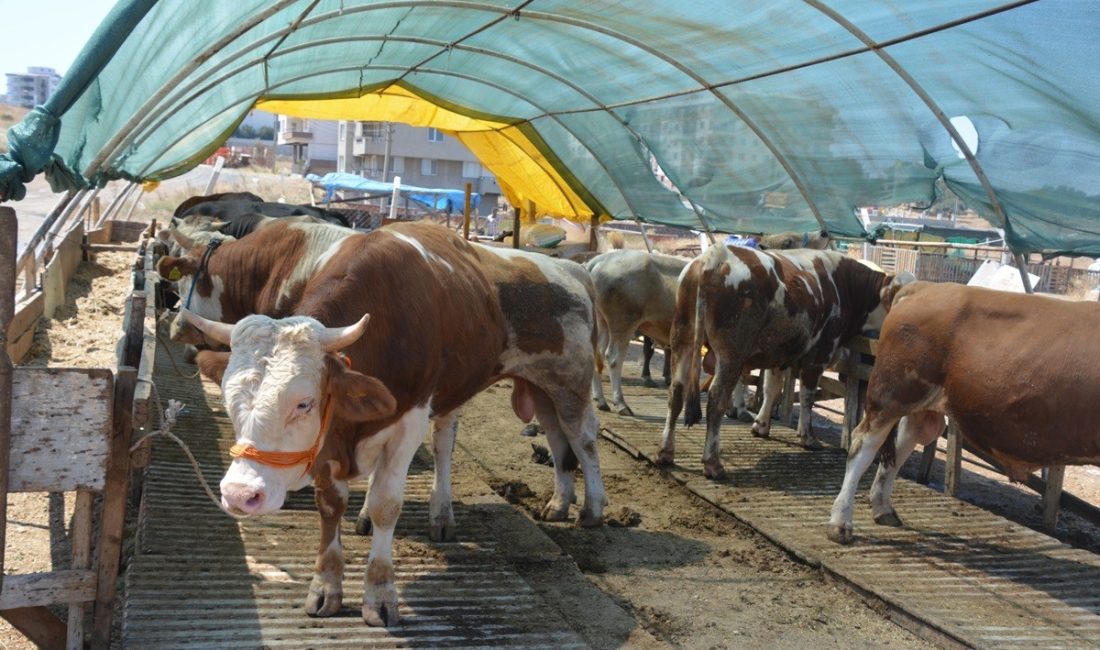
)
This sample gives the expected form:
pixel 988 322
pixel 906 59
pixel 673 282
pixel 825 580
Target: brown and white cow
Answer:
pixel 763 309
pixel 635 292
pixel 818 240
pixel 1017 373
pixel 448 318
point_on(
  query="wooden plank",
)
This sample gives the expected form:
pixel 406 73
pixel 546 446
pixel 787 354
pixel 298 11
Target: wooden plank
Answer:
pixel 516 221
pixel 113 248
pixel 466 211
pixel 27 313
pixel 863 345
pixel 786 402
pixel 853 406
pixel 82 555
pixel 37 624
pixel 1052 496
pixel 114 507
pixel 953 462
pixel 60 269
pixel 834 388
pixel 33 589
pixel 61 424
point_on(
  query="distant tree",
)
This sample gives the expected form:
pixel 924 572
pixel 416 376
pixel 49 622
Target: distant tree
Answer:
pixel 265 133
pixel 245 131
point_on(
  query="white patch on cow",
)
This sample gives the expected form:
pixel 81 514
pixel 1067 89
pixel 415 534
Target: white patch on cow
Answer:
pixel 274 367
pixel 323 241
pixel 424 252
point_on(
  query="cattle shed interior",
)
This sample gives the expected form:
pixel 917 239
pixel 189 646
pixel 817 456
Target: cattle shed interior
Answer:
pixel 721 115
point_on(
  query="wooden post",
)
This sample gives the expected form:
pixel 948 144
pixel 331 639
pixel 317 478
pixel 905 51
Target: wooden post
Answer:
pixel 82 546
pixel 1052 495
pixel 786 402
pixel 37 624
pixel 9 231
pixel 852 405
pixel 928 456
pixel 114 505
pixel 466 211
pixel 953 462
pixel 593 234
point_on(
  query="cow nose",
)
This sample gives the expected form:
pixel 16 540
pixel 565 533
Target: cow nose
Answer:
pixel 242 499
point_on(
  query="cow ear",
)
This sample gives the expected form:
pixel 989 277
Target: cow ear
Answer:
pixel 174 268
pixel 212 364
pixel 893 285
pixel 359 398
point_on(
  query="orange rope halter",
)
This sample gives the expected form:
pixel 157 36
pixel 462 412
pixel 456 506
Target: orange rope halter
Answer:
pixel 284 459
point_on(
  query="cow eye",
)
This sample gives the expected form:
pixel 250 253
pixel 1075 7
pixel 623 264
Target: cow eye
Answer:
pixel 305 406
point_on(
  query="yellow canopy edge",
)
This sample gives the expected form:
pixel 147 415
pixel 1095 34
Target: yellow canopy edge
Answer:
pixel 522 171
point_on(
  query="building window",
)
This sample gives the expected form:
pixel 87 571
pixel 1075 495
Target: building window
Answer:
pixel 429 167
pixel 435 135
pixel 471 169
pixel 397 164
pixel 370 129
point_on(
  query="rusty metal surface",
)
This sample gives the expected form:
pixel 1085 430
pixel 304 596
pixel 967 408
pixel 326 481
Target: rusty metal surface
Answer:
pixel 954 573
pixel 200 579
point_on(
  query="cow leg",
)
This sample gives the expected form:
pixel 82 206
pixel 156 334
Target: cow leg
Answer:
pixel 738 409
pixel 717 403
pixel 571 427
pixel 773 386
pixel 326 591
pixel 923 427
pixel 386 494
pixel 866 440
pixel 666 369
pixel 616 354
pixel 807 389
pixel 441 518
pixel 647 356
pixel 601 349
pixel 666 455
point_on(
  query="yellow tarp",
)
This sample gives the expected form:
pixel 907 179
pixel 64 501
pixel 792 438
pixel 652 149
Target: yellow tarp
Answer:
pixel 523 172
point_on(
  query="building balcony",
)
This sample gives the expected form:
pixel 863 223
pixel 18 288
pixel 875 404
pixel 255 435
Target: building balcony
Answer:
pixel 295 137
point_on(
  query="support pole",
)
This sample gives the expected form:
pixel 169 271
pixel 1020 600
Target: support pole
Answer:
pixel 515 226
pixel 1021 265
pixel 466 211
pixel 9 232
pixel 396 197
pixel 133 205
pixel 219 162
pixel 1052 495
pixel 953 462
pixel 594 234
pixel 645 235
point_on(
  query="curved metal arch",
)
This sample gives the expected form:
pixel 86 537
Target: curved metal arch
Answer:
pixel 594 209
pixel 163 117
pixel 109 151
pixel 932 106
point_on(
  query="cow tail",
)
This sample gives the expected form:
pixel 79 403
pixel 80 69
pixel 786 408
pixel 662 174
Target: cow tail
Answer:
pixel 693 403
pixel 887 453
pixel 597 323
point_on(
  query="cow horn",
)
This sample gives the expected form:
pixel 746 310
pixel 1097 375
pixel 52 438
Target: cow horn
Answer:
pixel 338 338
pixel 215 331
pixel 183 240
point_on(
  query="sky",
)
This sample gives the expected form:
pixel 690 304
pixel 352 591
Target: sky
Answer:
pixel 47 33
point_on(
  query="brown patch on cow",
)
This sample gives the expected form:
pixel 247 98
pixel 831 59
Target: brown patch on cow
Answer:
pixel 212 364
pixel 379 572
pixel 331 504
pixel 384 515
pixel 534 307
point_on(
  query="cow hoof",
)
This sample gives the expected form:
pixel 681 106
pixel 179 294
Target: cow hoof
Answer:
pixel 381 611
pixel 666 457
pixel 812 445
pixel 889 518
pixel 589 520
pixel 714 471
pixel 552 512
pixel 648 382
pixel 363 526
pixel 323 601
pixel 445 532
pixel 603 407
pixel 625 410
pixel 759 430
pixel 189 353
pixel 744 416
pixel 841 534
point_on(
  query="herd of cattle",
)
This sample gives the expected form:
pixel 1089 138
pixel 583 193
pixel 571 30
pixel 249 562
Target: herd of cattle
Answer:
pixel 337 350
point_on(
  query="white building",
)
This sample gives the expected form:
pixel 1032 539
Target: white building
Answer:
pixel 32 88
pixel 313 143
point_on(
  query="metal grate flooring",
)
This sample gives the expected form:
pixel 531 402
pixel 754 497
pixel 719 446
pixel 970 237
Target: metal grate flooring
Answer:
pixel 955 573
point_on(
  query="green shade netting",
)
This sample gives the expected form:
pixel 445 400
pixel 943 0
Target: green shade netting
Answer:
pixel 740 116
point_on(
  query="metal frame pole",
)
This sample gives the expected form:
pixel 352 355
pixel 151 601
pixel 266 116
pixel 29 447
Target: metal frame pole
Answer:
pixel 9 233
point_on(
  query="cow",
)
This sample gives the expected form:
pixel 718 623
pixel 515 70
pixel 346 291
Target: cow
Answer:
pixel 764 309
pixel 1015 372
pixel 635 292
pixel 448 318
pixel 192 201
pixel 228 210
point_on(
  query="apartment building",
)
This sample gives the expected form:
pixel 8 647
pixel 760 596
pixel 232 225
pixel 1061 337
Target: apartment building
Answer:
pixel 32 87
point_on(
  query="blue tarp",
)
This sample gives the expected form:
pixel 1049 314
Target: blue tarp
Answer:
pixel 438 199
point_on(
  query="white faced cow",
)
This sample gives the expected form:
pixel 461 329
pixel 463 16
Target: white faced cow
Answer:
pixel 448 319
pixel 763 309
